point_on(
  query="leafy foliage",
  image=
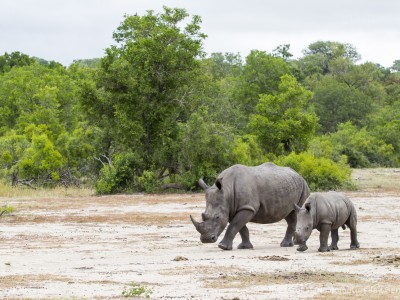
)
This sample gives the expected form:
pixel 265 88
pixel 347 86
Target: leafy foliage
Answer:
pixel 320 173
pixel 282 123
pixel 136 290
pixel 155 111
pixel 120 174
pixel 360 148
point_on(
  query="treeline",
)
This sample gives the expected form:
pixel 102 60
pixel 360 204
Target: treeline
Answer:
pixel 157 112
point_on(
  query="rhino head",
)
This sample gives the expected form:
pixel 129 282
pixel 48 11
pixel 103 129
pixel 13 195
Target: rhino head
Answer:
pixel 215 218
pixel 304 226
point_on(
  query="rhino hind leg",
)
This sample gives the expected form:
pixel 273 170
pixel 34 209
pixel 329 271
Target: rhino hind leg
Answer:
pixel 353 235
pixel 352 225
pixel 245 244
pixel 335 239
pixel 291 221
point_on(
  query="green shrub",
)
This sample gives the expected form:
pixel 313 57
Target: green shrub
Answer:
pixel 149 182
pixel 361 148
pixel 119 176
pixel 320 173
pixel 6 210
pixel 136 290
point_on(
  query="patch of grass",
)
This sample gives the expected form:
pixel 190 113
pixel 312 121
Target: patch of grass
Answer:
pixel 136 290
pixel 6 210
pixel 355 262
pixel 9 191
pixel 243 280
pixel 373 291
pixel 391 260
pixel 382 179
pixel 29 280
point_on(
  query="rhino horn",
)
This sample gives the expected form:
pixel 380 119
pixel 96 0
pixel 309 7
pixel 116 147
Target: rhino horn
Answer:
pixel 202 184
pixel 297 208
pixel 196 224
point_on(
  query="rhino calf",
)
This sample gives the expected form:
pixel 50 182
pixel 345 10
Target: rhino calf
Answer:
pixel 325 212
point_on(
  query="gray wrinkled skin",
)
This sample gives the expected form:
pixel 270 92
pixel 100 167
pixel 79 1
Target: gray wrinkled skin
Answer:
pixel 326 212
pixel 262 194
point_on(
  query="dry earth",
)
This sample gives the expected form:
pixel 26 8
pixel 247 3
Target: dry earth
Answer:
pixel 96 247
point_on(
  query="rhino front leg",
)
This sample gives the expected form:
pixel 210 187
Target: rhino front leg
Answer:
pixel 323 237
pixel 238 222
pixel 335 239
pixel 245 244
pixel 291 221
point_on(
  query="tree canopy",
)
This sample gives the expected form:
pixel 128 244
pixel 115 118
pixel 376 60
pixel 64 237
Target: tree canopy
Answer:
pixel 157 112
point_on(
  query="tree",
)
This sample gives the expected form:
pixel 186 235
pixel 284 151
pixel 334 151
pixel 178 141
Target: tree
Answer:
pixel 361 147
pixel 385 126
pixel 396 65
pixel 261 75
pixel 146 84
pixel 205 148
pixel 336 102
pixel 319 56
pixel 41 120
pixel 14 59
pixel 283 52
pixel 282 122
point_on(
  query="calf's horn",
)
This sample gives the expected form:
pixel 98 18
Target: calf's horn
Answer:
pixel 202 184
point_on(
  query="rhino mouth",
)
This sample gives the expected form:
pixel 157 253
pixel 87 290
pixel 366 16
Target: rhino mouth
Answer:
pixel 208 239
pixel 297 240
pixel 205 235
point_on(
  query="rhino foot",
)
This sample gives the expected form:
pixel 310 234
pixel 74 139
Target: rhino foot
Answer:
pixel 247 245
pixel 354 246
pixel 323 249
pixel 286 243
pixel 332 247
pixel 302 248
pixel 225 246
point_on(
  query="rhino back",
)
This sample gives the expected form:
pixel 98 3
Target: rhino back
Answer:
pixel 270 190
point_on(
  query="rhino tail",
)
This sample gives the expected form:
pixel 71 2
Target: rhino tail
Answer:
pixel 344 226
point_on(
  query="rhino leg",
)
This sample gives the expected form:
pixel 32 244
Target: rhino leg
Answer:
pixel 291 221
pixel 323 238
pixel 245 244
pixel 237 223
pixel 335 239
pixel 353 235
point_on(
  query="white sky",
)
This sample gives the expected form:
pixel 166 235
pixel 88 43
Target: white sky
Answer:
pixel 64 30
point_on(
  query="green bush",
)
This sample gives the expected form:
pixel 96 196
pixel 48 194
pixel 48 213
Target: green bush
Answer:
pixel 149 182
pixel 136 290
pixel 119 176
pixel 360 147
pixel 320 173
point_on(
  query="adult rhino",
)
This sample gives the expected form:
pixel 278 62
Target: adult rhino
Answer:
pixel 262 194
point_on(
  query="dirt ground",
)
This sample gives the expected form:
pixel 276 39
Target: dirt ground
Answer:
pixel 145 245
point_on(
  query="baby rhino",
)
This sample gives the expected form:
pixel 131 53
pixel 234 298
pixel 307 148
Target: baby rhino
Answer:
pixel 326 212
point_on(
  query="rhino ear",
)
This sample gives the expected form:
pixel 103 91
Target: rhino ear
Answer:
pixel 297 208
pixel 218 183
pixel 308 206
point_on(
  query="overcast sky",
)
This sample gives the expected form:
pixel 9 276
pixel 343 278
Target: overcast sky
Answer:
pixel 64 30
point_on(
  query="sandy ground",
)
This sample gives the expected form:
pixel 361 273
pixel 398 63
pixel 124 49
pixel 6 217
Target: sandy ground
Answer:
pixel 95 247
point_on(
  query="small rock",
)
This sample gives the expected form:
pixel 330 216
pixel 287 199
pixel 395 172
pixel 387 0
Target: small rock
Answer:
pixel 180 258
